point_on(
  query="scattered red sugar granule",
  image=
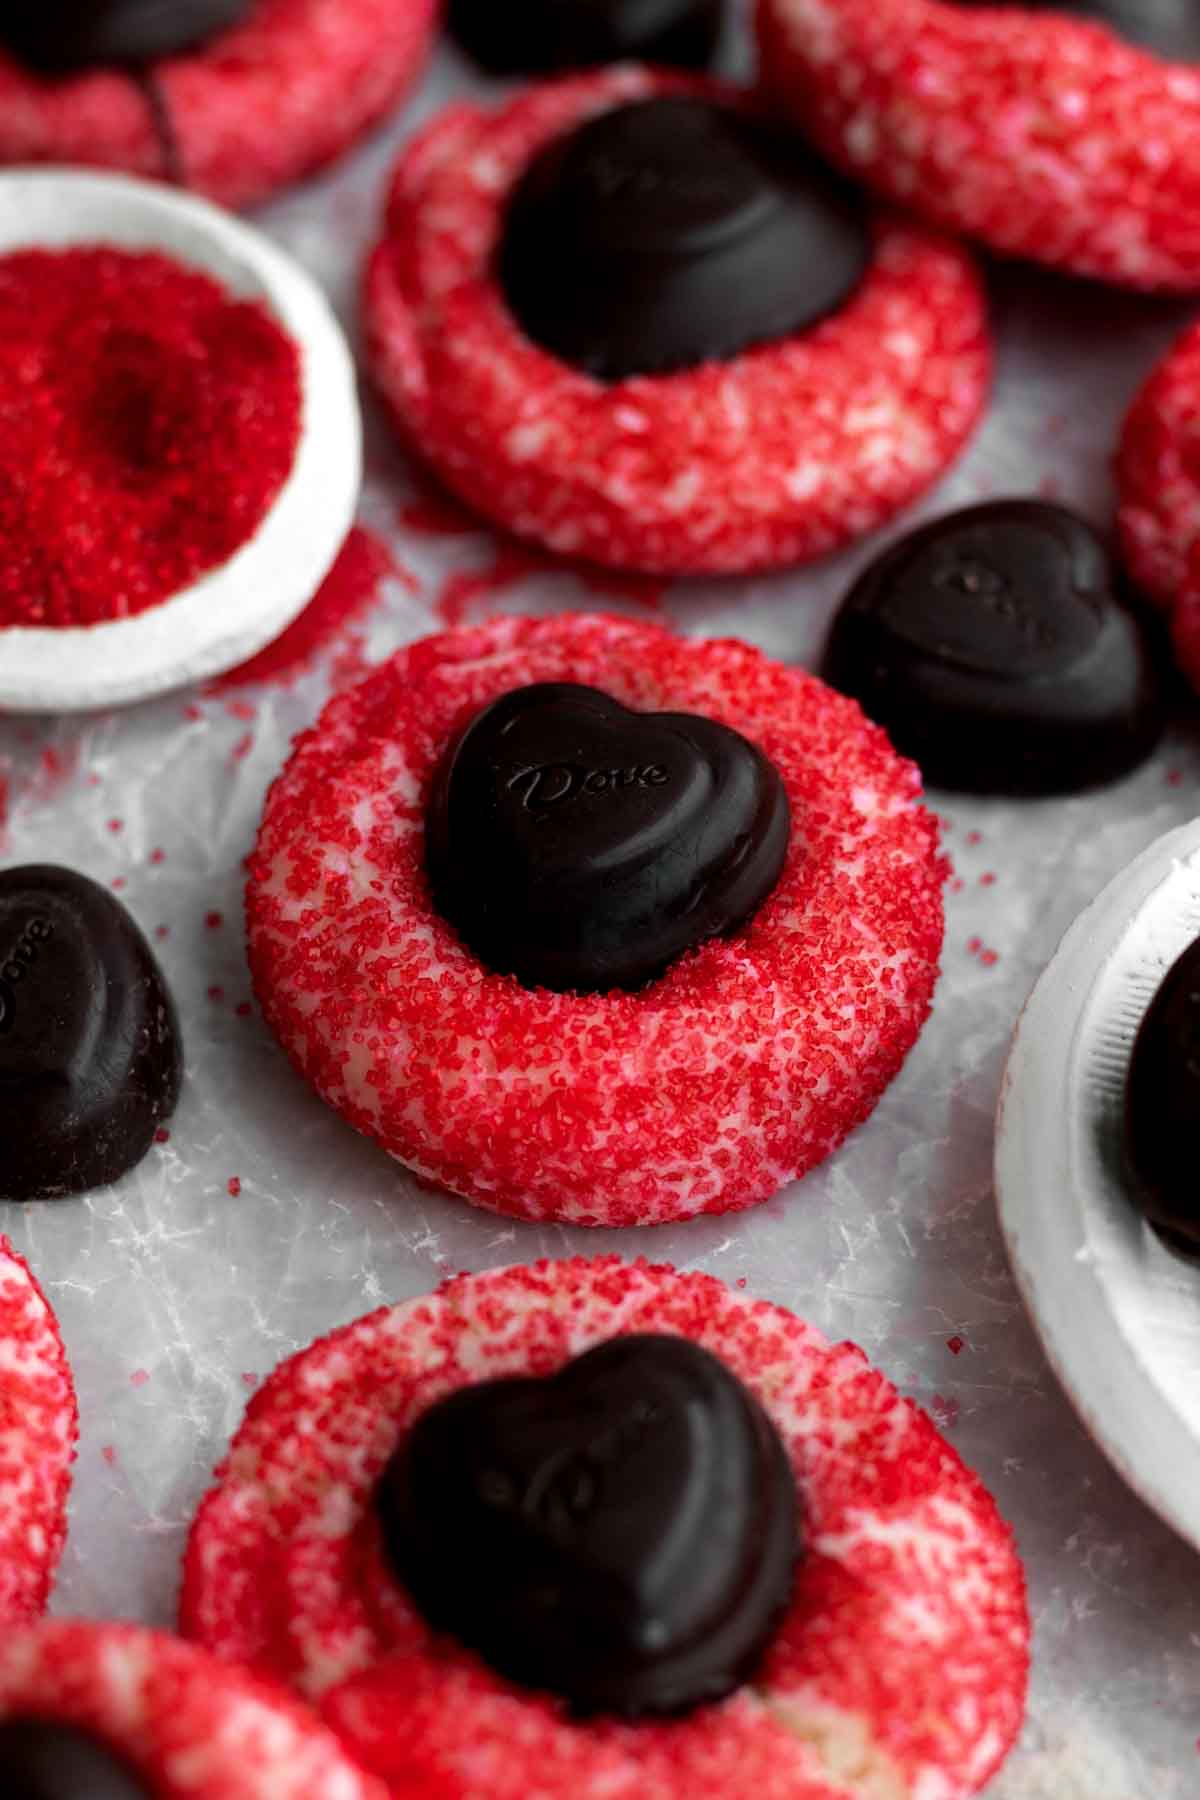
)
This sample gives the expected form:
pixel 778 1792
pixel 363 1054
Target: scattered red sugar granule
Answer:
pixel 214 920
pixel 1174 777
pixel 352 587
pixel 162 1135
pixel 162 931
pixel 974 837
pixel 987 880
pixel 242 748
pixel 157 857
pixel 955 1346
pixel 956 885
pixel 192 713
pixel 119 883
pixel 149 422
pixel 234 1187
pixel 989 958
pixel 945 1412
pixel 139 1378
pixel 109 1454
pixel 116 826
pixel 244 1010
pixel 974 946
pixel 216 993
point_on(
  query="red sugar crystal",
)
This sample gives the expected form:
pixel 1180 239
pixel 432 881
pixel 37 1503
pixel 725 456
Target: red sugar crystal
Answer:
pixel 351 588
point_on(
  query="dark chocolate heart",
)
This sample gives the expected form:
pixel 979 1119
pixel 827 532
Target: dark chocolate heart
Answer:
pixel 1162 1106
pixel 58 36
pixel 623 1534
pixel 674 231
pixel 42 1759
pixel 90 1062
pixel 526 37
pixel 1170 28
pixel 581 846
pixel 998 649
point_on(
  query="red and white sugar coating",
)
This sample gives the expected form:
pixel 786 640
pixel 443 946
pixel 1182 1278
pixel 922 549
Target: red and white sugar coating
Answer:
pixel 258 107
pixel 776 456
pixel 738 1070
pixel 190 1726
pixel 1185 622
pixel 1044 136
pixel 1158 474
pixel 39 1425
pixel 898 1674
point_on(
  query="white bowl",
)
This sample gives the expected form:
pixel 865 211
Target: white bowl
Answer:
pixel 238 608
pixel 1118 1314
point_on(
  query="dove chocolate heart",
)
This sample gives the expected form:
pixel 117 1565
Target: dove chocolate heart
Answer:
pixel 58 36
pixel 90 1061
pixel 42 1759
pixel 997 649
pixel 581 846
pixel 533 36
pixel 1170 28
pixel 1162 1106
pixel 675 231
pixel 623 1533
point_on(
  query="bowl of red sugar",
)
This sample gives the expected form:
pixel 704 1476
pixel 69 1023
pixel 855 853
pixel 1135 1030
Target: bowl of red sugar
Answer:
pixel 180 440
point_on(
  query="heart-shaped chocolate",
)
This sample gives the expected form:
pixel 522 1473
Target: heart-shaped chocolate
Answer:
pixel 530 36
pixel 623 1533
pixel 1162 1106
pixel 674 231
pixel 90 1062
pixel 58 36
pixel 581 846
pixel 43 1759
pixel 998 649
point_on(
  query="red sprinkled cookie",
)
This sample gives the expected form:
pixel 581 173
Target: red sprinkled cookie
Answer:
pixel 1158 473
pixel 1042 135
pixel 776 454
pixel 38 1428
pixel 899 1669
pixel 169 1715
pixel 740 1068
pixel 258 106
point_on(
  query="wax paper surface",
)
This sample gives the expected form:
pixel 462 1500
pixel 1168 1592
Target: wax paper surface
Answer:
pixel 263 1221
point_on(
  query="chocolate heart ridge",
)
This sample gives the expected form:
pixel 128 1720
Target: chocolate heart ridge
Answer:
pixel 583 846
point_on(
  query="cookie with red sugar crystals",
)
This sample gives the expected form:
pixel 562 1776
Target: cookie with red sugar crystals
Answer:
pixel 741 1067
pixel 177 1723
pixel 714 458
pixel 1158 474
pixel 1043 135
pixel 899 1669
pixel 39 1425
pixel 271 91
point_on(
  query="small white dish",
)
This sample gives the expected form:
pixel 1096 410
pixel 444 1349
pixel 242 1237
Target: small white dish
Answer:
pixel 235 610
pixel 1118 1314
